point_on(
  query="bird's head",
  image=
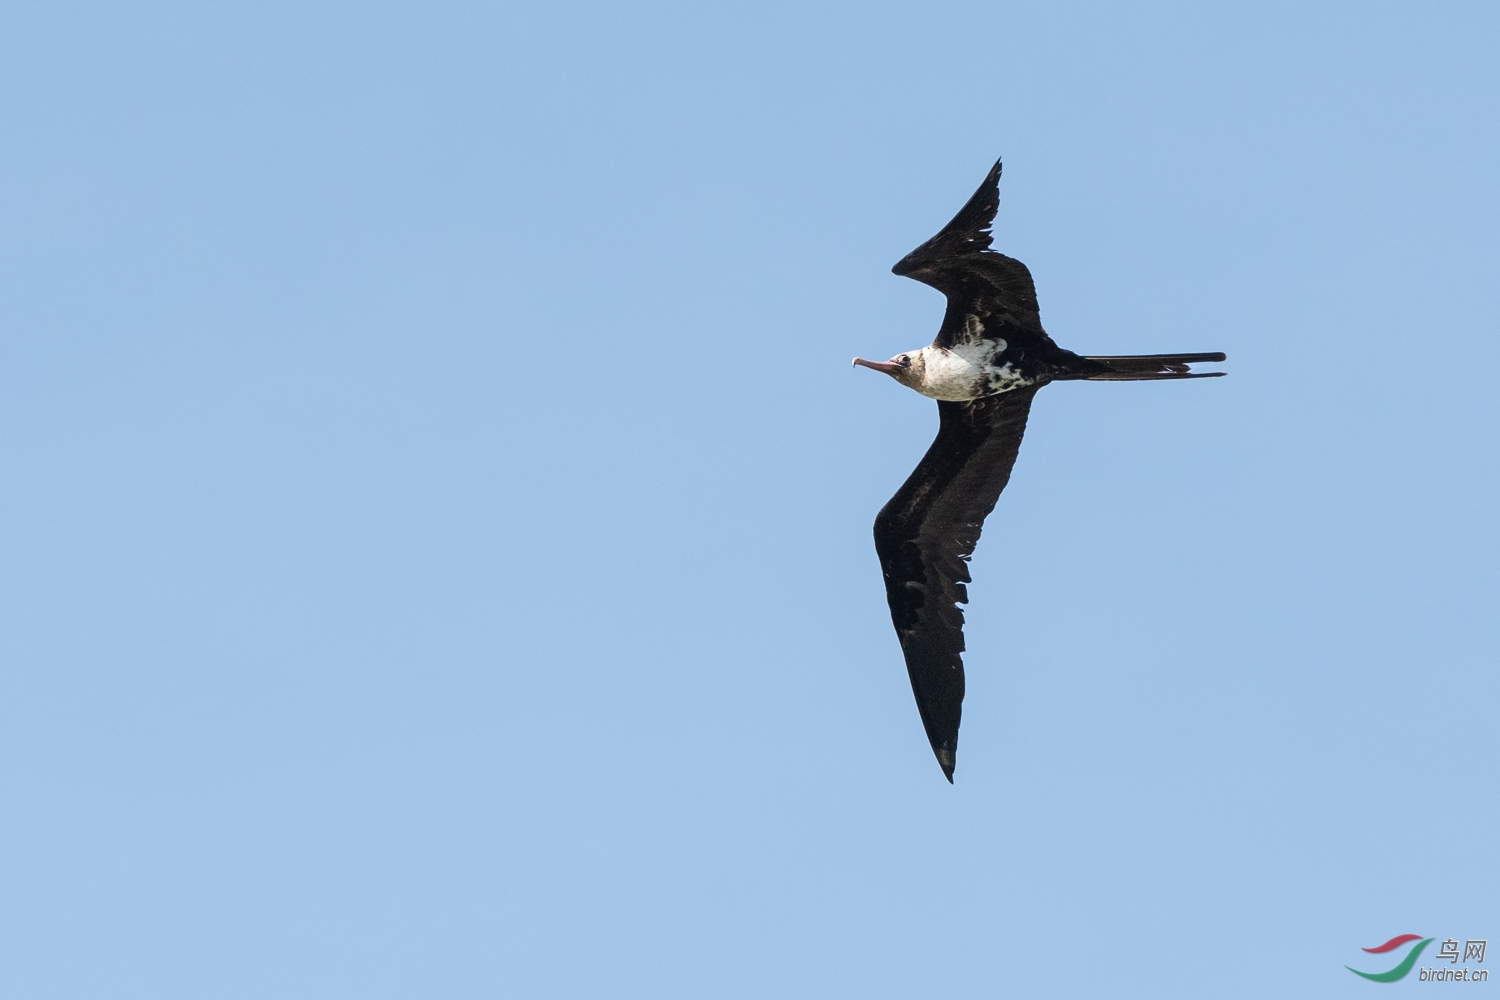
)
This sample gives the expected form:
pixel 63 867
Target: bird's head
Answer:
pixel 909 369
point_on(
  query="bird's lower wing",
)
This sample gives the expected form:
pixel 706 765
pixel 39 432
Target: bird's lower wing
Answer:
pixel 924 537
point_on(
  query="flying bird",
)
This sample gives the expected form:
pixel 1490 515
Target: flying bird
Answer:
pixel 988 361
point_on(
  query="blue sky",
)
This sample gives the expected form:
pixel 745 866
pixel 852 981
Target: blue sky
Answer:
pixel 436 502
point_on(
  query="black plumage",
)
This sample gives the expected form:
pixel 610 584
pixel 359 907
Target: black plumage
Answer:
pixel 985 366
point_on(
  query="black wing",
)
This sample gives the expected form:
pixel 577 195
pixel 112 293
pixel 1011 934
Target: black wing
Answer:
pixel 995 289
pixel 924 537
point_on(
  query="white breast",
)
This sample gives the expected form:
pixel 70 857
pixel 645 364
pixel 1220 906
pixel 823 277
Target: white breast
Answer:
pixel 966 371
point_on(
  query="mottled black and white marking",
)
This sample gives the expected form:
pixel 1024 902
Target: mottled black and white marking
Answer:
pixel 989 359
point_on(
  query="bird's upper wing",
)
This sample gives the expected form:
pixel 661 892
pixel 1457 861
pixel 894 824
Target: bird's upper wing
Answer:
pixel 995 289
pixel 924 537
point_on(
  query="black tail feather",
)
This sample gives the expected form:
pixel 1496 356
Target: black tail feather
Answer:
pixel 1147 367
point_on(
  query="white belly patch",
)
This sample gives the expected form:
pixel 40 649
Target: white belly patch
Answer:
pixel 967 372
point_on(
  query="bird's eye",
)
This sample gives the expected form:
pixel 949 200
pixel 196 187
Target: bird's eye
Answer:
pixel 904 361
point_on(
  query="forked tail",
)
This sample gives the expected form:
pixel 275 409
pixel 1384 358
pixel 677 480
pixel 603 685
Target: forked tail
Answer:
pixel 1144 367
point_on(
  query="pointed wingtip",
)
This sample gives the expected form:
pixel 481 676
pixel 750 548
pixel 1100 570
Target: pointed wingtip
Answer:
pixel 946 762
pixel 992 179
pixel 966 233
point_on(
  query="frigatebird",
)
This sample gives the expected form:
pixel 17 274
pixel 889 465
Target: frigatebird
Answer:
pixel 988 361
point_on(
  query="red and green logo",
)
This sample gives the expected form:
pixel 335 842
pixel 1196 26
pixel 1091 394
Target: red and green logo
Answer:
pixel 1402 967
